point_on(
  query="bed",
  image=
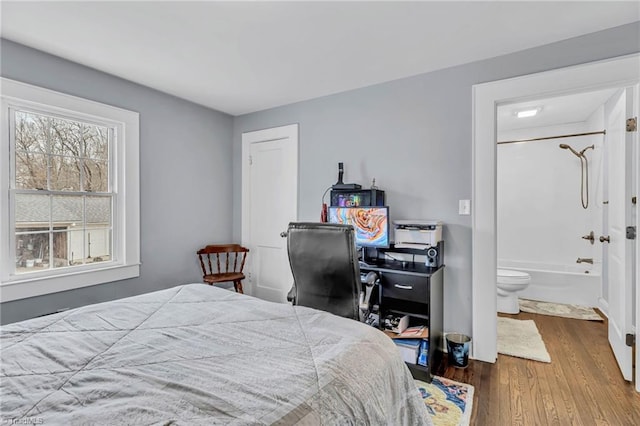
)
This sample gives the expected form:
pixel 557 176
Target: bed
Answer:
pixel 196 354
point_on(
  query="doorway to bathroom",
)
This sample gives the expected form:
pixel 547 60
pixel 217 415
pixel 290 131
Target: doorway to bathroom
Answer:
pixel 623 302
pixel 551 195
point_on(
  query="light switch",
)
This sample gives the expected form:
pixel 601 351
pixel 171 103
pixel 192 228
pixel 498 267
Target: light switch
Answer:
pixel 464 207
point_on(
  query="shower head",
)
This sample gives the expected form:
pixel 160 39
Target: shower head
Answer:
pixel 589 147
pixel 565 146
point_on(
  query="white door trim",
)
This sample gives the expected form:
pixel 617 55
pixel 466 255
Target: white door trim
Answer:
pixel 636 191
pixel 288 132
pixel 616 72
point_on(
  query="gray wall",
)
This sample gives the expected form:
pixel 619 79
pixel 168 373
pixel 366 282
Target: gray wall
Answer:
pixel 414 136
pixel 185 167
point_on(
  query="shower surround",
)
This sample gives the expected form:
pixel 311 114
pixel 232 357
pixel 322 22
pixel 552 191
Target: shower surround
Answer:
pixel 540 217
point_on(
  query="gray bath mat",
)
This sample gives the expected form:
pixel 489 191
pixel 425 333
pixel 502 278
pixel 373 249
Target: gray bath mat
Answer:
pixel 559 310
pixel 521 338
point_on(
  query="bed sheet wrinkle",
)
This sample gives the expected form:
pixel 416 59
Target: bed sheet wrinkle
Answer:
pixel 82 362
pixel 17 392
pixel 15 334
pixel 224 396
pixel 51 354
pixel 196 354
pixel 142 388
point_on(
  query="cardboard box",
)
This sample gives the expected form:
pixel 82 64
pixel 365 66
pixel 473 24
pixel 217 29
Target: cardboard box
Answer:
pixel 396 324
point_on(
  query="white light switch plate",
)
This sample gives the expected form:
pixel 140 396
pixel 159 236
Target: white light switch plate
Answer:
pixel 464 207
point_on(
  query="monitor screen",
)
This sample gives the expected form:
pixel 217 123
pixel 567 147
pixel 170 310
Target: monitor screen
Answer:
pixel 371 224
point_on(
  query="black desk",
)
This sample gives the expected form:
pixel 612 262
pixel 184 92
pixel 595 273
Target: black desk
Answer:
pixel 411 288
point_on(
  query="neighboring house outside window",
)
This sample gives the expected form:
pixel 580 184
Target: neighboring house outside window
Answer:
pixel 70 189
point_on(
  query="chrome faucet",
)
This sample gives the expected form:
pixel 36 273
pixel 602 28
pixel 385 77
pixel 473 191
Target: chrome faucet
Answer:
pixel 585 260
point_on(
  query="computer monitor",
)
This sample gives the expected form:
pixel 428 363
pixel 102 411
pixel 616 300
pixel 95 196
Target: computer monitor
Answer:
pixel 370 223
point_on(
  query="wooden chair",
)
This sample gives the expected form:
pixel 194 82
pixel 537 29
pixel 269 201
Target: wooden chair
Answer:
pixel 232 271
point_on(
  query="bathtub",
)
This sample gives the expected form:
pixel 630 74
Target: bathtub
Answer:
pixel 578 284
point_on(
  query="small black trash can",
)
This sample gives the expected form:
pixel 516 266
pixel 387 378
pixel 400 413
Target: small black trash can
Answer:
pixel 458 348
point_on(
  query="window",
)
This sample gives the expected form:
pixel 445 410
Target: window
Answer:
pixel 61 190
pixel 71 184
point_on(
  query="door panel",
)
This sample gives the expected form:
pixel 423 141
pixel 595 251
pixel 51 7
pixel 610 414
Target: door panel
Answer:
pixel 635 190
pixel 619 249
pixel 269 204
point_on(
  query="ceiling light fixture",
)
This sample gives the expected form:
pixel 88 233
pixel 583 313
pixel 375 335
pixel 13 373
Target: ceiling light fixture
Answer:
pixel 527 113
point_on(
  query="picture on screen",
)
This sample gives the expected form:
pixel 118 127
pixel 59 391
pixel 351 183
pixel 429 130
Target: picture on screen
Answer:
pixel 371 224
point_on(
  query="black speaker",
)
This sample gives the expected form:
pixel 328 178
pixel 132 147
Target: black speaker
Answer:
pixel 435 255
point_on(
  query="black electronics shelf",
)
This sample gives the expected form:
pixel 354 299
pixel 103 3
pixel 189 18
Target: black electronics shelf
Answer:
pixel 407 267
pixel 413 289
pixel 429 260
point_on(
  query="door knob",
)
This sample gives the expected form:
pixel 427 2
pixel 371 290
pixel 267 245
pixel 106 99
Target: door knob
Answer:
pixel 284 234
pixel 603 239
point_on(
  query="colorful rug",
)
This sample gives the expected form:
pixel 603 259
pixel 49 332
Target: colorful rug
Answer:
pixel 521 338
pixel 449 402
pixel 559 310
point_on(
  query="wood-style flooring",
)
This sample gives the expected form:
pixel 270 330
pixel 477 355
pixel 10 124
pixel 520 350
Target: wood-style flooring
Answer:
pixel 581 386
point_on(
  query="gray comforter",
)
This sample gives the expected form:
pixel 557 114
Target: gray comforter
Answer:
pixel 196 354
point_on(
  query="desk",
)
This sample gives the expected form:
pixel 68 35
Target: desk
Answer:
pixel 411 288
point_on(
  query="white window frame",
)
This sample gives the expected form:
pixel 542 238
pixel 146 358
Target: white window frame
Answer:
pixel 125 181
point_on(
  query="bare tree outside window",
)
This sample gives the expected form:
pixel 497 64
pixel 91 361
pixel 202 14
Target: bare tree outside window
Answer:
pixel 63 214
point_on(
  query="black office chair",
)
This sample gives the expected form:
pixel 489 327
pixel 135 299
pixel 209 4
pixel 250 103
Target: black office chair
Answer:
pixel 326 271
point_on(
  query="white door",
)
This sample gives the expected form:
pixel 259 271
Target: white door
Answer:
pixel 269 203
pixel 635 189
pixel 619 276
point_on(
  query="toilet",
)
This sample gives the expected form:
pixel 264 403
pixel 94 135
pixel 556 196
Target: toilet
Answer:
pixel 509 283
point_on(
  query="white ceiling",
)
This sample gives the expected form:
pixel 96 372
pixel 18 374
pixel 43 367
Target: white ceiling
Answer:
pixel 240 57
pixel 574 108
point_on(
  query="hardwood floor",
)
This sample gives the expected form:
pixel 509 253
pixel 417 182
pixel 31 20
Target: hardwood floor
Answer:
pixel 581 386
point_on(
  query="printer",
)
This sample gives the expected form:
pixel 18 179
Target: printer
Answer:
pixel 423 235
pixel 417 234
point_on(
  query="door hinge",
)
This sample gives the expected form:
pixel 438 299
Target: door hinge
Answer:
pixel 251 160
pixel 632 124
pixel 634 200
pixel 631 232
pixel 630 339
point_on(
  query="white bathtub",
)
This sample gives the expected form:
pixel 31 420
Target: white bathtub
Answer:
pixel 578 284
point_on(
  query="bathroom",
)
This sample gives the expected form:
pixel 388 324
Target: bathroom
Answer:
pixel 551 199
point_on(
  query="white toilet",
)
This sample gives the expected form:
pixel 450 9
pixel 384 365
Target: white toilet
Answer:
pixel 509 283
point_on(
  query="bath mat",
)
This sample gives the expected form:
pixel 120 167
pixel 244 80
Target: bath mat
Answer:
pixel 449 402
pixel 521 338
pixel 559 310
